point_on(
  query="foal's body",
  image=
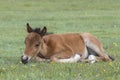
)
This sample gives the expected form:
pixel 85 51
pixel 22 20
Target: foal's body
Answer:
pixel 69 47
pixel 64 46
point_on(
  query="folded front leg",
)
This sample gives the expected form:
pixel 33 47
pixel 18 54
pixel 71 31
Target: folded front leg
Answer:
pixel 65 57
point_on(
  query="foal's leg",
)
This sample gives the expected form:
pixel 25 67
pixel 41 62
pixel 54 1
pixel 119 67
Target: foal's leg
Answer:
pixel 65 57
pixel 102 56
pixel 93 43
pixel 39 59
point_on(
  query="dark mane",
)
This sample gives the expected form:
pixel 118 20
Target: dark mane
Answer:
pixel 37 30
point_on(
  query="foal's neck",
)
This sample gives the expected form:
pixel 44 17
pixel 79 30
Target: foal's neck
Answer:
pixel 43 47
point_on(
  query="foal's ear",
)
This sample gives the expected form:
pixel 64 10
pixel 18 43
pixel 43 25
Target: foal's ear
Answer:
pixel 29 29
pixel 43 31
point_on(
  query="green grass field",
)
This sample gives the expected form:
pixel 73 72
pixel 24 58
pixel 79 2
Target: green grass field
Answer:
pixel 99 17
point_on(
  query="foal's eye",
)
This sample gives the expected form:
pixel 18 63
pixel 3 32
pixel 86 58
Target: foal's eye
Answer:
pixel 37 45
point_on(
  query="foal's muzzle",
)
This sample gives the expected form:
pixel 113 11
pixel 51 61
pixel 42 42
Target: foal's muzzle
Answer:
pixel 24 59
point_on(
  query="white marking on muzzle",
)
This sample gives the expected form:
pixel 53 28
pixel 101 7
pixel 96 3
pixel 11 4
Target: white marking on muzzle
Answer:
pixel 25 57
pixel 72 59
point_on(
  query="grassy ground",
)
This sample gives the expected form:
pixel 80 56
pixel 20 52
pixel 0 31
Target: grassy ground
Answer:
pixel 99 17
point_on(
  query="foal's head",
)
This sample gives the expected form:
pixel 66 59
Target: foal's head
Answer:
pixel 32 43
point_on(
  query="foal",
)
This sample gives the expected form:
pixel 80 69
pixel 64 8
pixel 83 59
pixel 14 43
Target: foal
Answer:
pixel 70 47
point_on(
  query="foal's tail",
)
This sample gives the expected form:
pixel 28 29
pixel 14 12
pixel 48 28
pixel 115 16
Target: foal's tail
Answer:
pixel 111 58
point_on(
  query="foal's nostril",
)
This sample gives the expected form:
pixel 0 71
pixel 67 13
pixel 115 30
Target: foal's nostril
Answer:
pixel 24 59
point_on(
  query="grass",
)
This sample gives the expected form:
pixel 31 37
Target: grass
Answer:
pixel 99 17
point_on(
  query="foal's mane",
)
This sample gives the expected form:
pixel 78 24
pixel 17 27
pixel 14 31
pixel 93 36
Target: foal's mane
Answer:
pixel 36 30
